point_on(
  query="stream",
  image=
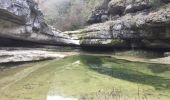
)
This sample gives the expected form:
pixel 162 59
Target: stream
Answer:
pixel 85 77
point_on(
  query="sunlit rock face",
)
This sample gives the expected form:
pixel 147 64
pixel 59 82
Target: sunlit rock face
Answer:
pixel 147 27
pixel 22 19
pixel 113 9
pixel 27 55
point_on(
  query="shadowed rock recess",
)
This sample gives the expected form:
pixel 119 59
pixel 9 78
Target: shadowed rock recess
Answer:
pixel 22 20
pixel 116 24
pixel 128 24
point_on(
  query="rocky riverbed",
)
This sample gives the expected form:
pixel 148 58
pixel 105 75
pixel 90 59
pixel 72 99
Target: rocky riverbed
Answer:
pixel 15 55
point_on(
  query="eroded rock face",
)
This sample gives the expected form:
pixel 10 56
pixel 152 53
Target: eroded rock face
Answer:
pixel 147 28
pixel 118 8
pixel 22 19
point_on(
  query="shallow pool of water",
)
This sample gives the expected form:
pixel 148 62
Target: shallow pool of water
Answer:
pixel 85 77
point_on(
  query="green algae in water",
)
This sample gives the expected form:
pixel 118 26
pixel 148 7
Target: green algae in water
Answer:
pixel 90 78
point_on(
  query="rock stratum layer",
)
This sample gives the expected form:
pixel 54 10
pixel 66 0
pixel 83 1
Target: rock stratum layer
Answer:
pixel 131 24
pixel 116 23
pixel 27 55
pixel 22 20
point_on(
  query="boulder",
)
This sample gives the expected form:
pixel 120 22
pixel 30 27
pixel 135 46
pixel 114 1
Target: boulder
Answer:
pixel 98 15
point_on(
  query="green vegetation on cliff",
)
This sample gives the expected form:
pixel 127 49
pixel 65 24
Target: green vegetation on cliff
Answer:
pixel 68 14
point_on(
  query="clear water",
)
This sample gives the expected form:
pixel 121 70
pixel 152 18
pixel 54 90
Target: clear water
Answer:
pixel 84 77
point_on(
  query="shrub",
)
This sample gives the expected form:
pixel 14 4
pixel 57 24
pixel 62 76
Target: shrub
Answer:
pixel 68 14
pixel 155 3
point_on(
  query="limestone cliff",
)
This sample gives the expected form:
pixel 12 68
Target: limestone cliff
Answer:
pixel 116 23
pixel 127 24
pixel 22 20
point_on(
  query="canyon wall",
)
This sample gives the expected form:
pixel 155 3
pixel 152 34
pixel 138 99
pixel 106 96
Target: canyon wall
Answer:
pixel 23 20
pixel 127 24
